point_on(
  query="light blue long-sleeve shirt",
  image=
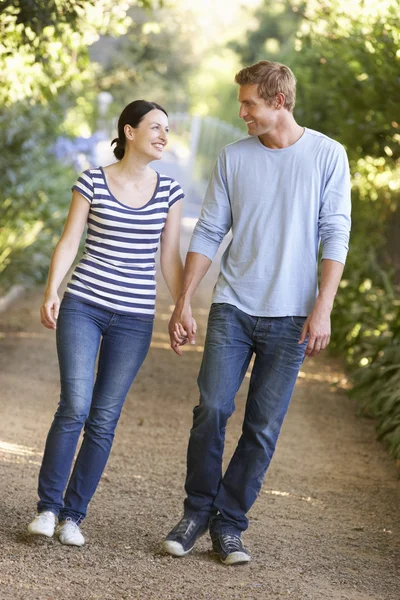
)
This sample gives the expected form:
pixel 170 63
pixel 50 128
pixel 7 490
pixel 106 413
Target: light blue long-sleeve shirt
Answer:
pixel 279 204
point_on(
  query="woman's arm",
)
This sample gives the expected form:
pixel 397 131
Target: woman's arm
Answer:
pixel 170 256
pixel 63 257
pixel 172 270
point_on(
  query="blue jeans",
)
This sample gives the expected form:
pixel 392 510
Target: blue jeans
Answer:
pixel 232 339
pixel 89 402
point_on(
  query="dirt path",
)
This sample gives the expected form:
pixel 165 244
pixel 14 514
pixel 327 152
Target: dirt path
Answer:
pixel 323 528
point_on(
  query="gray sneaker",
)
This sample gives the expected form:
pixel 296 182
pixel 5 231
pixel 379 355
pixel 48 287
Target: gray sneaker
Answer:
pixel 229 548
pixel 183 536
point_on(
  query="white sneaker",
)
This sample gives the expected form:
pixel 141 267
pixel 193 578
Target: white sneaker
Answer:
pixel 69 533
pixel 43 524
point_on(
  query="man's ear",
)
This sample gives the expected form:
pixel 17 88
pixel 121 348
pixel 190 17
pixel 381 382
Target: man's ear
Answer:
pixel 279 100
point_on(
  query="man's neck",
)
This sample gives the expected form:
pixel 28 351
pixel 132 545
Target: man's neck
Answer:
pixel 287 133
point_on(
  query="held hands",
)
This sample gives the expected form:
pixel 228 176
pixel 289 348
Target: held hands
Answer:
pixel 182 328
pixel 318 329
pixel 49 310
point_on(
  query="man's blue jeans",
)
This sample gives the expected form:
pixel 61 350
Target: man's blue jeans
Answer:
pixel 94 404
pixel 232 339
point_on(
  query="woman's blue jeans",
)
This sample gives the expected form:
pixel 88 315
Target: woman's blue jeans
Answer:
pixel 94 403
pixel 232 338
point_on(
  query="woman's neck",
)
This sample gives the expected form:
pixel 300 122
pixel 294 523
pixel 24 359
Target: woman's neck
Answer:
pixel 133 166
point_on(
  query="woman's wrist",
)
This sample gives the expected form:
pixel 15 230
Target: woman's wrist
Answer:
pixel 50 290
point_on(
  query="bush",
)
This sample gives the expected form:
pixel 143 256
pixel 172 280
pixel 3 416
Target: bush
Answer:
pixel 34 195
pixel 367 330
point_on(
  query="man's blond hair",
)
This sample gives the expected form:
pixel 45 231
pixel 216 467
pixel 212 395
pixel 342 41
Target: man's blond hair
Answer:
pixel 272 78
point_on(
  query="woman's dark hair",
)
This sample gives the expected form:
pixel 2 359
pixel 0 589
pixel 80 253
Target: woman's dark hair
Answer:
pixel 132 115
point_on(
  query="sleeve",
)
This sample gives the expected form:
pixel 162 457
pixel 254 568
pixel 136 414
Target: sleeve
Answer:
pixel 216 215
pixel 334 216
pixel 175 193
pixel 84 185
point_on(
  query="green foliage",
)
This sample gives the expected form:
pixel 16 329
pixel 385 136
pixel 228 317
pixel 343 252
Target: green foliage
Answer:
pixel 152 60
pixel 273 39
pixel 34 195
pixel 40 14
pixel 212 91
pixel 40 59
pixel 366 330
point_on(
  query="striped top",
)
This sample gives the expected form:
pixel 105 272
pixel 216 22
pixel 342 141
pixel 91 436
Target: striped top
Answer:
pixel 117 269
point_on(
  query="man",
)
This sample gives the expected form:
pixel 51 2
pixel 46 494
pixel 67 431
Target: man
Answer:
pixel 281 190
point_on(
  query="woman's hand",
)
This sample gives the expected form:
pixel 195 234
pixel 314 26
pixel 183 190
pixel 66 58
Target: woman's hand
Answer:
pixel 182 328
pixel 49 310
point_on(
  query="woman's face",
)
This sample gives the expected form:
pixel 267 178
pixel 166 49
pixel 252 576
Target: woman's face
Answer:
pixel 151 135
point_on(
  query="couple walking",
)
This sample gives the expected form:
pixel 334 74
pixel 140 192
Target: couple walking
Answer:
pixel 281 191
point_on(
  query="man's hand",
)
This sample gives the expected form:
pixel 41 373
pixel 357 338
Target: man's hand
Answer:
pixel 182 328
pixel 318 329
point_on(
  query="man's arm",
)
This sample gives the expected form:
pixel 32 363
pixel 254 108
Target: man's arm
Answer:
pixel 318 323
pixel 334 229
pixel 214 223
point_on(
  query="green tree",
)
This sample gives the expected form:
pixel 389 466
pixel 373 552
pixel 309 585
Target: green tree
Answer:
pixel 278 22
pixel 152 60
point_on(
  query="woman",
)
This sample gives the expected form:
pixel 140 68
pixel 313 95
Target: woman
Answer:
pixel 108 304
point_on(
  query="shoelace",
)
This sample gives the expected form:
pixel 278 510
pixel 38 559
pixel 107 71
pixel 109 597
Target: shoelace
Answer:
pixel 185 526
pixel 44 518
pixel 71 525
pixel 232 543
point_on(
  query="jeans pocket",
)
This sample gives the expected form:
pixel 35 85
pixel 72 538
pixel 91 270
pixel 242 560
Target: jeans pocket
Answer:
pixel 143 319
pixel 71 304
pixel 298 322
pixel 219 310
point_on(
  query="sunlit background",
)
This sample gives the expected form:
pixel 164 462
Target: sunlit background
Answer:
pixel 68 69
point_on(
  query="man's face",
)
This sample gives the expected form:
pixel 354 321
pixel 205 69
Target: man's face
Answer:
pixel 259 116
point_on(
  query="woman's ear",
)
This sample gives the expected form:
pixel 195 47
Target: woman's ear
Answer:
pixel 129 132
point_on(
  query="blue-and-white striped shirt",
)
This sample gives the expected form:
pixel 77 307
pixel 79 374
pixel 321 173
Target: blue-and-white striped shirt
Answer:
pixel 117 269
